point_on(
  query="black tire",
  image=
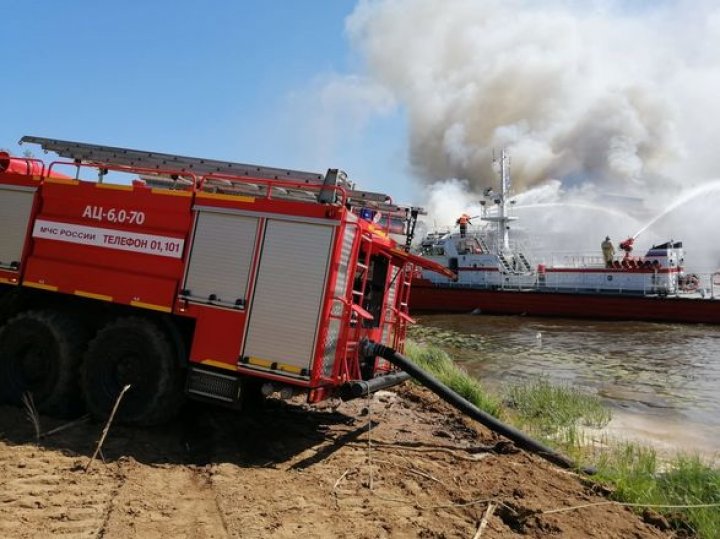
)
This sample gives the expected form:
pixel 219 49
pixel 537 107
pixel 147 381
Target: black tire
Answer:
pixel 251 394
pixel 133 351
pixel 8 302
pixel 40 353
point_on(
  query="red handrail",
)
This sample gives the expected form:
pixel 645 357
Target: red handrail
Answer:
pixel 12 164
pixel 126 169
pixel 270 183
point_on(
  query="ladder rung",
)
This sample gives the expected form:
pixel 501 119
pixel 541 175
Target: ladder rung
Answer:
pixel 142 158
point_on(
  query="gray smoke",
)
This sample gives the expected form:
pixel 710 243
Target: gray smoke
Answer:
pixel 582 92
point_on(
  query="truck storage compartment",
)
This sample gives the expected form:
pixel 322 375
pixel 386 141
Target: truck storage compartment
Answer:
pixel 289 292
pixel 15 206
pixel 221 258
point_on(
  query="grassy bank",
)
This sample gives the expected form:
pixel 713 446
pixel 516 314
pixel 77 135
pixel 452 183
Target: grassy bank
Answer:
pixel 684 489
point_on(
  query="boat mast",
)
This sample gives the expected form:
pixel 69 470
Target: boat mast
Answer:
pixel 501 200
pixel 504 194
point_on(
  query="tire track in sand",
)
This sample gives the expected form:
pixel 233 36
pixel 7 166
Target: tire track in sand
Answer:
pixel 45 493
pixel 164 501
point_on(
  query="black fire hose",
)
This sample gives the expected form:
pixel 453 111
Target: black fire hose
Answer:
pixel 521 439
pixel 361 388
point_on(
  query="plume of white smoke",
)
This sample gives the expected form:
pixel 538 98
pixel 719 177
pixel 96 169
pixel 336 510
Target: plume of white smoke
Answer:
pixel 573 93
pixel 603 97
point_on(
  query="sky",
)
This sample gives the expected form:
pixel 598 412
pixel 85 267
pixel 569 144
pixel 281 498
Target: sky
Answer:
pixel 608 108
pixel 228 80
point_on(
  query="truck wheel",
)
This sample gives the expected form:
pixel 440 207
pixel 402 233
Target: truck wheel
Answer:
pixel 132 351
pixel 40 352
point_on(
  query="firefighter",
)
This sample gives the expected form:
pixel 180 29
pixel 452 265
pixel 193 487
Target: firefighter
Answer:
pixel 608 251
pixel 463 221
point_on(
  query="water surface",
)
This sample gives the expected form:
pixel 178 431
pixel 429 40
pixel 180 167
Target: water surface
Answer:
pixel 661 380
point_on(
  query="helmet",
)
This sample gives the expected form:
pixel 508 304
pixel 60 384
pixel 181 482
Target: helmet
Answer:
pixel 607 238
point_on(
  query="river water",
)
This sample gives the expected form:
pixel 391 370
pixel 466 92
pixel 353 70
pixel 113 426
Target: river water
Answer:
pixel 662 381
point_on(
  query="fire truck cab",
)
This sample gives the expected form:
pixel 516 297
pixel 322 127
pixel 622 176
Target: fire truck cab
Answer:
pixel 188 277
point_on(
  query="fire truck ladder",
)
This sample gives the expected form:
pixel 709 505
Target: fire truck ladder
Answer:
pixel 81 152
pixel 358 313
pixel 403 304
pixel 94 153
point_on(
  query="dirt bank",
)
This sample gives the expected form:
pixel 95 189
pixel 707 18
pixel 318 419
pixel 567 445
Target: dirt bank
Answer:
pixel 289 471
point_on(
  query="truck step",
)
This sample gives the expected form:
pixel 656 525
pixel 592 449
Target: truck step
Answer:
pixel 213 385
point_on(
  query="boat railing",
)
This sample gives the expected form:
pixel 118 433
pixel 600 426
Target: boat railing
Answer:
pixel 690 285
pixel 575 260
pixel 697 286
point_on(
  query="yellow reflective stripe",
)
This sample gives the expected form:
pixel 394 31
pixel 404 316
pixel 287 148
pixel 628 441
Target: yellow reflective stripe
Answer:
pixel 41 286
pixel 218 364
pixel 258 362
pixel 170 192
pixel 151 306
pixel 290 368
pixel 62 181
pixel 91 295
pixel 220 196
pixel 5 280
pixel 115 186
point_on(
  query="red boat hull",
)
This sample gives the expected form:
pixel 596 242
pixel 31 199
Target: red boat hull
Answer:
pixel 426 297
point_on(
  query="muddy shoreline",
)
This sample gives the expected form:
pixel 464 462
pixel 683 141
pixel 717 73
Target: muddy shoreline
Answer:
pixel 399 465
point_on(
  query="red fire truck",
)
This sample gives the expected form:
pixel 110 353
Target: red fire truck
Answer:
pixel 187 277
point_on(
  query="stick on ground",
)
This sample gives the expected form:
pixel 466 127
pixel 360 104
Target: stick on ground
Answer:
pixel 340 479
pixel 66 426
pixel 488 513
pixel 32 414
pixel 107 426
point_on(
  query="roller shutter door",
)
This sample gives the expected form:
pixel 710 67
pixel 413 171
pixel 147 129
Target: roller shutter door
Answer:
pixel 288 294
pixel 221 257
pixel 15 207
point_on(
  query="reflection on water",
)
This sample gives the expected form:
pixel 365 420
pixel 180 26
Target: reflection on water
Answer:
pixel 662 374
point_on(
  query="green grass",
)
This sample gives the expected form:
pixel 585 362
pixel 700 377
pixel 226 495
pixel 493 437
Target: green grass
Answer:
pixel 555 413
pixel 672 488
pixel 546 405
pixel 560 414
pixel 439 363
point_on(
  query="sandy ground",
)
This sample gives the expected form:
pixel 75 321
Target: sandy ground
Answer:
pixel 399 465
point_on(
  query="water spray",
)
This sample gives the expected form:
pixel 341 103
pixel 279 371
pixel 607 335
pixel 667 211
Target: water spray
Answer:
pixel 707 188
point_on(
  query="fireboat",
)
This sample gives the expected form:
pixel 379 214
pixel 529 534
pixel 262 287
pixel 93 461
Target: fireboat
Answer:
pixel 496 276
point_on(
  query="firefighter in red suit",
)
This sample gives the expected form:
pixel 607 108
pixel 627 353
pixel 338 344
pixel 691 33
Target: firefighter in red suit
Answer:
pixel 463 221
